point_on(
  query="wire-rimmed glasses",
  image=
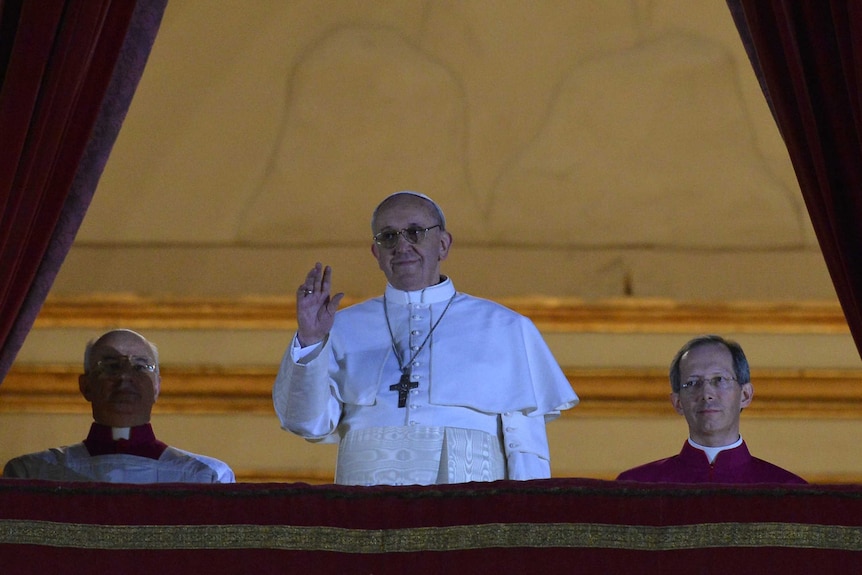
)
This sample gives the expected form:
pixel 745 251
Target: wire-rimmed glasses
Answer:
pixel 719 382
pixel 388 239
pixel 116 365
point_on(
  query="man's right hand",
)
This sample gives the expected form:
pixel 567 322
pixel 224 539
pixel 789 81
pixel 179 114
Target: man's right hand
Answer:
pixel 315 309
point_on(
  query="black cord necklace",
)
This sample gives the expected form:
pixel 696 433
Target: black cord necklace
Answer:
pixel 404 385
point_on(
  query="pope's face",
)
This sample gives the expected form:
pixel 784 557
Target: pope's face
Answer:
pixel 409 266
pixel 122 380
pixel 712 413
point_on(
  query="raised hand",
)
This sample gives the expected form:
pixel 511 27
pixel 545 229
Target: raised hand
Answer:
pixel 315 309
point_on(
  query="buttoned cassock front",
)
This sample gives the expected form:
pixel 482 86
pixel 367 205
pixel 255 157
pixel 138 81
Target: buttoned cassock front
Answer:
pixel 691 465
pixel 484 368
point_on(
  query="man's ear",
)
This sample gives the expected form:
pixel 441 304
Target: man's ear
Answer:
pixel 676 403
pixel 747 395
pixel 84 386
pixel 157 386
pixel 445 244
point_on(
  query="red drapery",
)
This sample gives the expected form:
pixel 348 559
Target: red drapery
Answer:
pixel 549 526
pixel 68 69
pixel 808 58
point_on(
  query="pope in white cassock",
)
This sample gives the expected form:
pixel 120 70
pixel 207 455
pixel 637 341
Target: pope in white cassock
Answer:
pixel 425 384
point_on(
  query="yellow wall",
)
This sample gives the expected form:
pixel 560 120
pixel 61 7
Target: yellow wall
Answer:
pixel 609 168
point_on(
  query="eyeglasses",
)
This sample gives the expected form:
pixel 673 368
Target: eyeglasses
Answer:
pixel 116 365
pixel 389 238
pixel 720 382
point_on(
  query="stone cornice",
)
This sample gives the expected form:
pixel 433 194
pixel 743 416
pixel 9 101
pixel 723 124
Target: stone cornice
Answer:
pixel 603 392
pixel 549 314
pixel 627 392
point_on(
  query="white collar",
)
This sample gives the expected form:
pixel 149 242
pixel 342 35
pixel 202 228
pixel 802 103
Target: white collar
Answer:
pixel 432 294
pixel 712 452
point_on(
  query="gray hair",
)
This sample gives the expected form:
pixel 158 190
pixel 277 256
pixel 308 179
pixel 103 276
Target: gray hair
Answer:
pixel 740 363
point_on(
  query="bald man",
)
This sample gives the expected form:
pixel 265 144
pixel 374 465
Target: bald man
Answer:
pixel 121 381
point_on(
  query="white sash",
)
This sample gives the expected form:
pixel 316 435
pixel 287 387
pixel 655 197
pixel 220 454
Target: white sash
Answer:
pixel 418 455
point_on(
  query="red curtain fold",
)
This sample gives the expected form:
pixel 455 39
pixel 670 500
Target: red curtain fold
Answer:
pixel 807 56
pixel 68 70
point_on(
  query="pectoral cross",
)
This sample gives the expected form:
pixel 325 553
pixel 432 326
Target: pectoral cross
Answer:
pixel 403 387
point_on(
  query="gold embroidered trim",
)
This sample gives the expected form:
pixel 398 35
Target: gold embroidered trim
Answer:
pixel 406 540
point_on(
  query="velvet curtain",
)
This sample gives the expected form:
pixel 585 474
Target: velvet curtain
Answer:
pixel 808 58
pixel 68 70
pixel 545 526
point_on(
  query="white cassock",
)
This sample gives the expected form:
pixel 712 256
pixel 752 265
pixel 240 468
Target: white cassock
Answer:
pixel 486 385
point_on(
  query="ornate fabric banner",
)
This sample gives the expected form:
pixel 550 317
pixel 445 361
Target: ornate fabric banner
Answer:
pixel 548 526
